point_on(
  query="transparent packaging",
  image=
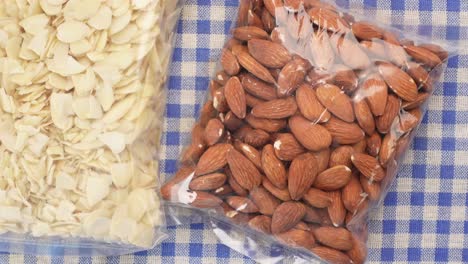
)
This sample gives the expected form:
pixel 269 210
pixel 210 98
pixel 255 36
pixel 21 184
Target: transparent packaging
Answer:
pixel 308 119
pixel 82 97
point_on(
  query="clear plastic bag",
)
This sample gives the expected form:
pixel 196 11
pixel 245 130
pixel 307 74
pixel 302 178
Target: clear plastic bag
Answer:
pixel 307 122
pixel 82 97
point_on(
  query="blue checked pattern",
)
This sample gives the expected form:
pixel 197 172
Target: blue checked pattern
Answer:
pixel 424 218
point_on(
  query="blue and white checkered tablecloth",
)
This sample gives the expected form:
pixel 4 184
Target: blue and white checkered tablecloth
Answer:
pixel 425 215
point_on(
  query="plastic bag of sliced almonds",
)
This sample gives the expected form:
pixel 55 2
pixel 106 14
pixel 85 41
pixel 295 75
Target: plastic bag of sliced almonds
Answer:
pixel 306 125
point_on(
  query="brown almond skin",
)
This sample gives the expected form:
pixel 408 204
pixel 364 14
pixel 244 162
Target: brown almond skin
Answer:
pixel 170 188
pixel 205 200
pixel 248 32
pixel 223 190
pixel 242 204
pixel 257 138
pixel 332 255
pixel 301 175
pixel 250 152
pixel 364 116
pixel 229 62
pixel 375 91
pixel 258 88
pixel 261 223
pixel 270 54
pixel 366 31
pixel 336 210
pixel 239 190
pixel 282 194
pixel 436 49
pixel 358 253
pixel 235 97
pixel 312 136
pixel 420 76
pixel 252 65
pixel 374 142
pixel 232 122
pixel 337 238
pixel 291 76
pixel 268 125
pixel 271 5
pixel 215 158
pixel 192 154
pixel 345 79
pixel 341 156
pixel 254 20
pixel 360 147
pixel 336 102
pixel 399 81
pixel 236 217
pixel 206 113
pixel 265 202
pixel 344 133
pixel 286 216
pixel 208 182
pixel 351 193
pixel 317 198
pixel 333 178
pixel 388 149
pixel 252 101
pixel 297 238
pixel 243 170
pixel 268 21
pixel 273 167
pixel 328 19
pixel 309 105
pixel 221 78
pixel 421 99
pixel 409 120
pixel 287 147
pixel 276 109
pixel 423 56
pixel 219 101
pixel 384 122
pixel 214 131
pixel 323 159
pixel 371 188
pixel 368 166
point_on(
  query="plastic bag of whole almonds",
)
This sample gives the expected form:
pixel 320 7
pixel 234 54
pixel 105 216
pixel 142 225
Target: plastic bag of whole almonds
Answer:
pixel 304 130
pixel 81 104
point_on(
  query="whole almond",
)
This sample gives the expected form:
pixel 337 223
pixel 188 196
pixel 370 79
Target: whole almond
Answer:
pixel 254 20
pixel 270 54
pixel 420 76
pixel 367 31
pixel 409 120
pixel 337 102
pixel 248 32
pixel 358 253
pixel 341 156
pixel 374 142
pixel 205 200
pixel 401 147
pixel 312 216
pixel 286 216
pixel 316 76
pixel 208 182
pixel 337 238
pixel 261 223
pixel 336 210
pixel 215 158
pixel 328 19
pixel 312 136
pixel 350 52
pixel 219 101
pixel 265 202
pixel 309 105
pixel 271 5
pixel 399 81
pixel 436 49
pixel 375 91
pixel 232 122
pixel 257 138
pixel 221 78
pixel 291 76
pixel 297 238
pixel 364 115
pixel 268 21
pixel 344 133
pixel 214 131
pixel 242 132
pixel 420 100
pixel 206 113
pixel 252 65
pixel 423 56
pixel 360 147
pixel 192 154
pixel 235 216
pixel 321 50
pixel 170 189
pixel 371 188
pixel 250 152
pixel 235 97
pixel 273 167
pixel 229 62
pixel 213 87
pixel 301 175
pixel 345 79
pixel 239 190
pixel 352 194
pixel 282 194
pixel 242 14
pixel 242 204
pixel 258 88
pixel 333 178
pixel 252 101
pixel 287 147
pixel 223 190
pixel 323 159
pixel 276 109
pixel 268 125
pixel 388 148
pixel 332 255
pixel 368 166
pixel 392 109
pixel 317 198
pixel 243 170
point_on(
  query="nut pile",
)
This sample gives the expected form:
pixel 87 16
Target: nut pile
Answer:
pixel 308 118
pixel 79 116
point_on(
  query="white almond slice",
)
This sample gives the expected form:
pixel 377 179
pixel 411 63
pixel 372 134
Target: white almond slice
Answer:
pixel 7 102
pixel 34 24
pixel 13 47
pixel 147 20
pixel 126 35
pixel 81 9
pixel 115 141
pixel 119 109
pixel 97 227
pixel 121 59
pixel 56 2
pixel 121 9
pixel 50 9
pixel 120 22
pixel 38 42
pixel 60 52
pixel 102 19
pixel 97 189
pixel 71 31
pixel 140 4
pixel 102 41
pixel 47 213
pixel 107 72
pixel 3 38
pixel 59 82
pixel 67 68
pixel 123 227
pixel 40 229
pixel 143 236
pixel 12 66
pixel 61 110
pixel 10 214
pixel 65 211
pixel 37 143
pixel 80 48
pixel 87 107
pixel 138 203
pixel 82 124
pixel 65 181
pixel 21 140
pixel 84 83
pixel 105 95
pixel 121 174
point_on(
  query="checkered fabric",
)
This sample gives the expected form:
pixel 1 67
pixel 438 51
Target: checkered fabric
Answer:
pixel 424 218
